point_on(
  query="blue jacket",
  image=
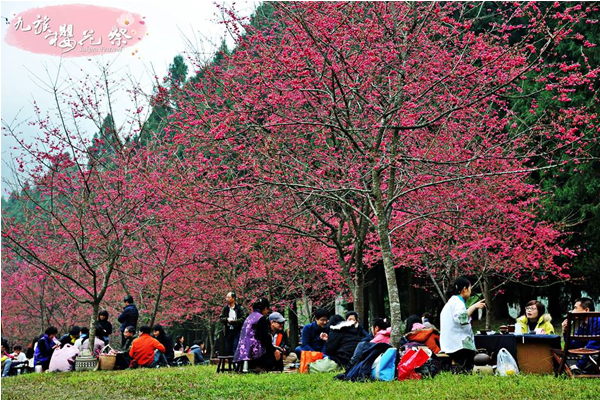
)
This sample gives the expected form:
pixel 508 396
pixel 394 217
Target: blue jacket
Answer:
pixel 311 340
pixel 44 351
pixel 129 317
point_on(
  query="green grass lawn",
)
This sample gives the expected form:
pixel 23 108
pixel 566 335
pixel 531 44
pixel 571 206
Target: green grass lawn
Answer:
pixel 202 382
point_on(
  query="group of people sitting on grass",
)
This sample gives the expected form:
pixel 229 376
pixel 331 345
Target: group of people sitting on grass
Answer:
pixel 49 352
pixel 260 340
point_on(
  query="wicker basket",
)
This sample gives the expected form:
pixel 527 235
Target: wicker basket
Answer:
pixel 107 361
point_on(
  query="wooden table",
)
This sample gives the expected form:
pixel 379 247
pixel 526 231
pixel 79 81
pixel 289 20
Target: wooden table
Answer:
pixel 532 352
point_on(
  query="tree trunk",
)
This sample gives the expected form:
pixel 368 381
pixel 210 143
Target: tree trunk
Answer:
pixel 487 295
pixel 388 260
pixel 413 305
pixel 211 338
pixel 93 319
pixel 359 296
pixel 554 307
pixel 158 297
pixel 293 325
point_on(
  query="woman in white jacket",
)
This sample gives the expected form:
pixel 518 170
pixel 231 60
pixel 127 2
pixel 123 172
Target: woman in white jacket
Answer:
pixel 456 336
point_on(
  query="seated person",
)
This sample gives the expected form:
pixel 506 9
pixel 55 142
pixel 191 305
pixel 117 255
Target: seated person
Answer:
pixel 381 334
pixel 17 359
pixel 123 359
pixel 196 349
pixel 426 319
pixel 535 320
pixel 45 347
pixel 179 344
pixel 166 357
pixel 313 334
pixel 281 341
pixel 98 343
pixel 63 358
pixel 592 327
pixel 72 336
pixel 417 332
pixel 343 338
pixel 353 316
pixel 256 343
pixel 142 349
pixel 85 333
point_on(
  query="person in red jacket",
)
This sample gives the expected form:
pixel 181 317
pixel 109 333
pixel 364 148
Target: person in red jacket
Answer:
pixel 142 349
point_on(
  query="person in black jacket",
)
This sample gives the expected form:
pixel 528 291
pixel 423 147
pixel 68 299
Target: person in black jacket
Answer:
pixel 159 334
pixel 129 316
pixel 123 358
pixel 104 324
pixel 72 336
pixel 353 316
pixel 232 317
pixel 281 341
pixel 272 356
pixel 343 338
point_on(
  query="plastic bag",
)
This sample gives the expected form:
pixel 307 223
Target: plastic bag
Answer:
pixel 411 360
pixel 506 365
pixel 323 365
pixel 307 357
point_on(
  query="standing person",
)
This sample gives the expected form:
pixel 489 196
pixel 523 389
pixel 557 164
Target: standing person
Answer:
pixel 232 317
pixel 45 348
pixel 128 317
pixel 168 355
pixel 104 324
pixel 456 337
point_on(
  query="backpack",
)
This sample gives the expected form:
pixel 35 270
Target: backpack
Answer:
pixel 384 368
pixel 362 370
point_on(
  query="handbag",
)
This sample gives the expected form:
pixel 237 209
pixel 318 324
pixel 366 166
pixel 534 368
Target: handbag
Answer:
pixel 323 365
pixel 307 357
pixel 86 361
pixel 106 361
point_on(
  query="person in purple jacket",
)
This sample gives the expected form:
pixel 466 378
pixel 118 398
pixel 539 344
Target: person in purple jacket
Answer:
pixel 45 348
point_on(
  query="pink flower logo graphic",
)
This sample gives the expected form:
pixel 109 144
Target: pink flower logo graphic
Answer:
pixel 125 20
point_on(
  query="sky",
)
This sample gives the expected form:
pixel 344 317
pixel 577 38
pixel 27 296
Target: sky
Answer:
pixel 172 27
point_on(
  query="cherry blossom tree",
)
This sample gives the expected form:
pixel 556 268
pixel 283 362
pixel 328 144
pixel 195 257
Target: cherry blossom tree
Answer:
pixel 357 105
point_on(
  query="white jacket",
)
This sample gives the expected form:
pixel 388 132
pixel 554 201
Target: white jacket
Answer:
pixel 455 330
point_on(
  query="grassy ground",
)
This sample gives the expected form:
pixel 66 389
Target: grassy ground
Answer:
pixel 201 382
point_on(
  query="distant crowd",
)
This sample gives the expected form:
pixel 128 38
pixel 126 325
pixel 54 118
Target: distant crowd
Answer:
pixel 259 341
